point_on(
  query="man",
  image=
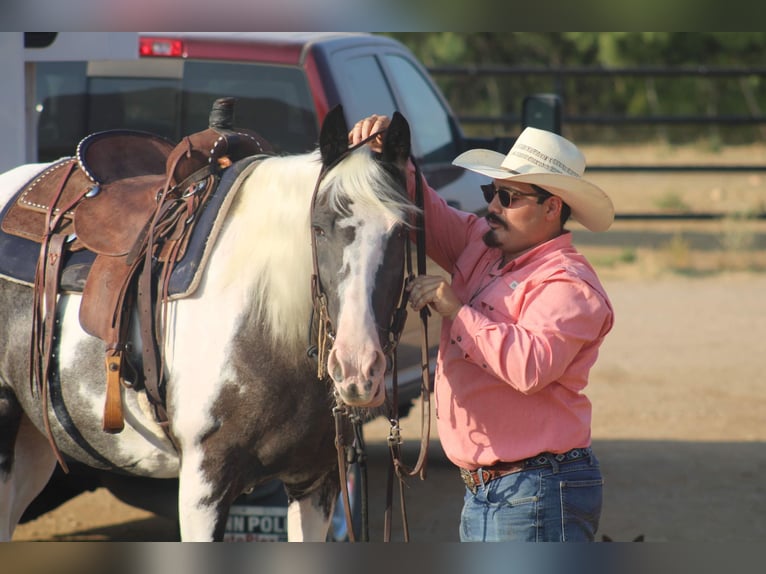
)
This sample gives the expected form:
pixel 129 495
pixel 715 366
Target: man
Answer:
pixel 522 321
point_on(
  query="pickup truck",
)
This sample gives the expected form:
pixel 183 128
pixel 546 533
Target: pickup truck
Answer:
pixel 284 84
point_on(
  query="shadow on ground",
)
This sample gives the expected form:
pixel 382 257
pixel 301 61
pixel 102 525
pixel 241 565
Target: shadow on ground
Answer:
pixel 664 490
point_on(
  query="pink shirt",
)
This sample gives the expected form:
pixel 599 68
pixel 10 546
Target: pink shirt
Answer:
pixel 513 364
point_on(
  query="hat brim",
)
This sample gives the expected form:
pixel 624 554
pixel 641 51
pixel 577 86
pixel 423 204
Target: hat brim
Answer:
pixel 590 205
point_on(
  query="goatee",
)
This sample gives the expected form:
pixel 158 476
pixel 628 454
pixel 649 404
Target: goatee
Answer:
pixel 490 238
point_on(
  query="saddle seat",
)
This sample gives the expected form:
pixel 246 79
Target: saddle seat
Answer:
pixel 122 154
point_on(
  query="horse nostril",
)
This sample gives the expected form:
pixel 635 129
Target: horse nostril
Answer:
pixel 378 365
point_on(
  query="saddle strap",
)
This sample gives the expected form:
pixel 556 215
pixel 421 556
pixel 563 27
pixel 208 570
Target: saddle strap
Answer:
pixel 43 356
pixel 166 237
pixel 114 420
pixel 47 279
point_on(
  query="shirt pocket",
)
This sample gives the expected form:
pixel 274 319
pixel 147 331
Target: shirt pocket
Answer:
pixel 501 302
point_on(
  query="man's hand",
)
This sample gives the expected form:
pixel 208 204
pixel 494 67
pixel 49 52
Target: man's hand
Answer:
pixel 365 128
pixel 436 292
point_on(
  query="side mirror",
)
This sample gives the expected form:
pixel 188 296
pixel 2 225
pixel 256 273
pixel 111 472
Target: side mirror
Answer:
pixel 542 111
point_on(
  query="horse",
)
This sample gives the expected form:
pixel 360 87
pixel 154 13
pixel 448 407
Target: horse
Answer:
pixel 245 400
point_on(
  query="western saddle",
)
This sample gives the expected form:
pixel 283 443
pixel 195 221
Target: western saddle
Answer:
pixel 132 198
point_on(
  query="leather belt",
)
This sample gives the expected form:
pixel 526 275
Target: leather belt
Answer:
pixel 475 478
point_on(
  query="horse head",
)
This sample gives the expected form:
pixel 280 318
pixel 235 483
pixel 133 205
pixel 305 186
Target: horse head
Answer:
pixel 360 227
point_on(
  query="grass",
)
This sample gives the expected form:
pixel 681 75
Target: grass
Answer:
pixel 738 251
pixel 672 201
pixel 678 253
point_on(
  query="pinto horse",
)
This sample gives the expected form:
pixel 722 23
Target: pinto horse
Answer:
pixel 244 399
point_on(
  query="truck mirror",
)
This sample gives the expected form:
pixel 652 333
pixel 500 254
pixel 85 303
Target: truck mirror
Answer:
pixel 542 111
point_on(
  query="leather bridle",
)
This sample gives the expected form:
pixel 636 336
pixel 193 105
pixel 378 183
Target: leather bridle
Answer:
pixel 322 320
pixel 349 453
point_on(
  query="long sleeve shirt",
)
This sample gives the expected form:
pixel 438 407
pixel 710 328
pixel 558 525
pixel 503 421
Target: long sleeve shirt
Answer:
pixel 513 364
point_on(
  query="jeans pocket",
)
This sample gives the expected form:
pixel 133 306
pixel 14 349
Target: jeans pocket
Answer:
pixel 504 510
pixel 580 508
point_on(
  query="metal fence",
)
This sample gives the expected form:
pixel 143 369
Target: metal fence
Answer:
pixel 560 80
pixel 750 83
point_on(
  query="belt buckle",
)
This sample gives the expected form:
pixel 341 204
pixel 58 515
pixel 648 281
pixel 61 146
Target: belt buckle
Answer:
pixel 469 481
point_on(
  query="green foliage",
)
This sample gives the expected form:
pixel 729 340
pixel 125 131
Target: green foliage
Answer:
pixel 678 253
pixel 672 201
pixel 602 95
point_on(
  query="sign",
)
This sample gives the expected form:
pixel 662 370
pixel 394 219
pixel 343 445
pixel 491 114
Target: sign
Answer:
pixel 256 524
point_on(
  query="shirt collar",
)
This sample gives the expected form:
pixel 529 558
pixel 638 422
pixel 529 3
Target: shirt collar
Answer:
pixel 556 244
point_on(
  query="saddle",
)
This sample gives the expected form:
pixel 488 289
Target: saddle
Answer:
pixel 132 198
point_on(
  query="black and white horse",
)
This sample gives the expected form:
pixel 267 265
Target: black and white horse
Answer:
pixel 244 401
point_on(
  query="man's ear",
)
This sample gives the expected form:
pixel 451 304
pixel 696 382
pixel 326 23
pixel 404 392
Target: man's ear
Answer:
pixel 553 206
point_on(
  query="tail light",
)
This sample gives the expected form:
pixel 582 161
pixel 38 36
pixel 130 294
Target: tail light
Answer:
pixel 161 47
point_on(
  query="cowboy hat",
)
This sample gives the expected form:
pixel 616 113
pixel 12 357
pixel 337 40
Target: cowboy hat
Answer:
pixel 552 162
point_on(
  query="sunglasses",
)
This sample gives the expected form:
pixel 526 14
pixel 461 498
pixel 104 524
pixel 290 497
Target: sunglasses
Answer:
pixel 508 196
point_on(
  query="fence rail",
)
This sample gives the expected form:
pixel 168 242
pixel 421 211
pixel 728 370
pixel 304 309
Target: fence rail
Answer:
pixel 559 77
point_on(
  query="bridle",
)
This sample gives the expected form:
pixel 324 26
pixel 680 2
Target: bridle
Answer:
pixel 324 326
pixel 354 451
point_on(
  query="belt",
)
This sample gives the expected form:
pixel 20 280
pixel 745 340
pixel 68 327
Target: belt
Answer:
pixel 474 478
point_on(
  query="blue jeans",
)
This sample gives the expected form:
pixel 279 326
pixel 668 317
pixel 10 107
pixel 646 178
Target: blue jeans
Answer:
pixel 554 503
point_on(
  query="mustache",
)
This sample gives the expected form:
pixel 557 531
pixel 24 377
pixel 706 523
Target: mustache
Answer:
pixel 494 218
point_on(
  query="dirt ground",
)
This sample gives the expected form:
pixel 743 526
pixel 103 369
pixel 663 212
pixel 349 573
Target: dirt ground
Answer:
pixel 679 395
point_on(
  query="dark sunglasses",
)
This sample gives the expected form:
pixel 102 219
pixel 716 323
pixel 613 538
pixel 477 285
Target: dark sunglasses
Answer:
pixel 507 197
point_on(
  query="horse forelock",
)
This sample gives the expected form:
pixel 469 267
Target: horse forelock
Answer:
pixel 360 178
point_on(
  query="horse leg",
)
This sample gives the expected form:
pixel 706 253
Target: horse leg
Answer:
pixel 309 514
pixel 203 500
pixel 26 463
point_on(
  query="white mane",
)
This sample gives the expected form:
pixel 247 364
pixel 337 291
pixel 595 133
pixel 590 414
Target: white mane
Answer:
pixel 268 241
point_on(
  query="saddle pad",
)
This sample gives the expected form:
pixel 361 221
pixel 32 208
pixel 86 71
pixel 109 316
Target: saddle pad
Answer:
pixel 188 270
pixel 18 256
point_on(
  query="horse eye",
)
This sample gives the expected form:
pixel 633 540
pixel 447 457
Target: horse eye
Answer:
pixel 318 230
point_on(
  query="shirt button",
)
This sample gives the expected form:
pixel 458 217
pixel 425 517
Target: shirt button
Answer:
pixel 484 365
pixel 491 308
pixel 459 339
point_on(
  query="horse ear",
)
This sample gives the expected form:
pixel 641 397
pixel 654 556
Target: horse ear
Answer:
pixel 333 137
pixel 396 143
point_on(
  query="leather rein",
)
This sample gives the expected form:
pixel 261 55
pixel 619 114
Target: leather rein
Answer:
pixel 354 451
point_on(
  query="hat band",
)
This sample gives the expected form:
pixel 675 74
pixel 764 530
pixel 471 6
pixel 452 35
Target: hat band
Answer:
pixel 538 158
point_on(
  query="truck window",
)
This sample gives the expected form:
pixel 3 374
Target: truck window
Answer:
pixel 171 98
pixel 61 106
pixel 433 140
pixel 365 87
pixel 146 104
pixel 274 101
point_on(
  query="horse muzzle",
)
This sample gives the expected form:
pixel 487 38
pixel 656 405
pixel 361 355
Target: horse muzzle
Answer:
pixel 359 377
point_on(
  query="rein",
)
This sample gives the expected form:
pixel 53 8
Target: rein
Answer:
pixel 355 452
pixel 394 438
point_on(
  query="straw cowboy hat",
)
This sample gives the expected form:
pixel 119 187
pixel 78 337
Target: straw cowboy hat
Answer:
pixel 552 162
